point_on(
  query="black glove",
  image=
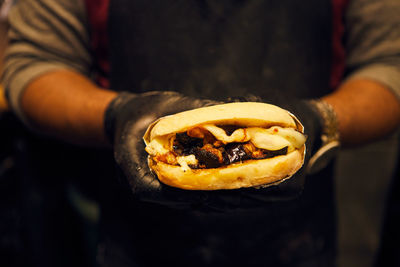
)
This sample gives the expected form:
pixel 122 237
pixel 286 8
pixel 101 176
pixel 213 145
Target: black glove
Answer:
pixel 311 120
pixel 126 121
pixel 129 115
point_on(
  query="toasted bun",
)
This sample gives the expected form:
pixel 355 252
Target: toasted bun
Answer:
pixel 248 173
pixel 242 114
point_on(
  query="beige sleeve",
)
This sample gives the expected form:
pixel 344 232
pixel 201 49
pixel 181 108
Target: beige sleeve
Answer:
pixel 373 41
pixel 45 35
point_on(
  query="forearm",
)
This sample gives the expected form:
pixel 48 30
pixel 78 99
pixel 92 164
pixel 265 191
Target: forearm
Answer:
pixel 366 111
pixel 68 106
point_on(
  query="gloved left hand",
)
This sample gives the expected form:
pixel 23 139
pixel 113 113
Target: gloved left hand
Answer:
pixel 311 120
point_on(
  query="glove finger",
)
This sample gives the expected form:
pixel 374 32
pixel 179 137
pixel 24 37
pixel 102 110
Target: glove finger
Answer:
pixel 286 190
pixel 244 98
pixel 150 189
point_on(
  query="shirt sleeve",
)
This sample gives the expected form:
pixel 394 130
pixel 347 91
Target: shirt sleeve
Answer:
pixel 373 41
pixel 45 35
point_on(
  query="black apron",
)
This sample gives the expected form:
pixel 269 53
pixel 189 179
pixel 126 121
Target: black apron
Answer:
pixel 220 49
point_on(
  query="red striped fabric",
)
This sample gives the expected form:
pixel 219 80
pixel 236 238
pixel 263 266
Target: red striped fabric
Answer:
pixel 97 11
pixel 338 50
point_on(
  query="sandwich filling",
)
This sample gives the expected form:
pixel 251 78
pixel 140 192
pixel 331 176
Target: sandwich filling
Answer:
pixel 210 146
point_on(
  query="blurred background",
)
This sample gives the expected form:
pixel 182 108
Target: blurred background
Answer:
pixel 363 179
pixel 362 182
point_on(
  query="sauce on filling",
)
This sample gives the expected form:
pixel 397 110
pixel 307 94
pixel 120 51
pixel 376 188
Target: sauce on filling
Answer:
pixel 212 153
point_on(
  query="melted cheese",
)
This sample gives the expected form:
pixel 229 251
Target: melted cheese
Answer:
pixel 273 138
pixel 239 135
pixel 157 146
pixel 296 138
pixel 261 138
pixel 185 161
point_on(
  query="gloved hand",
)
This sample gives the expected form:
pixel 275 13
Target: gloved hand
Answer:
pixel 129 115
pixel 126 121
pixel 312 122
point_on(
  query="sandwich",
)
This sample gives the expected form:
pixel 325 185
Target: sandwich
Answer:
pixel 227 146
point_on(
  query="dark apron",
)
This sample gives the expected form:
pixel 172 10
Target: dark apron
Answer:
pixel 219 49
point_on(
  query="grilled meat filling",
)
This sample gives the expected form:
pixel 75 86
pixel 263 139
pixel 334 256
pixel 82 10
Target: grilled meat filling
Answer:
pixel 211 153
